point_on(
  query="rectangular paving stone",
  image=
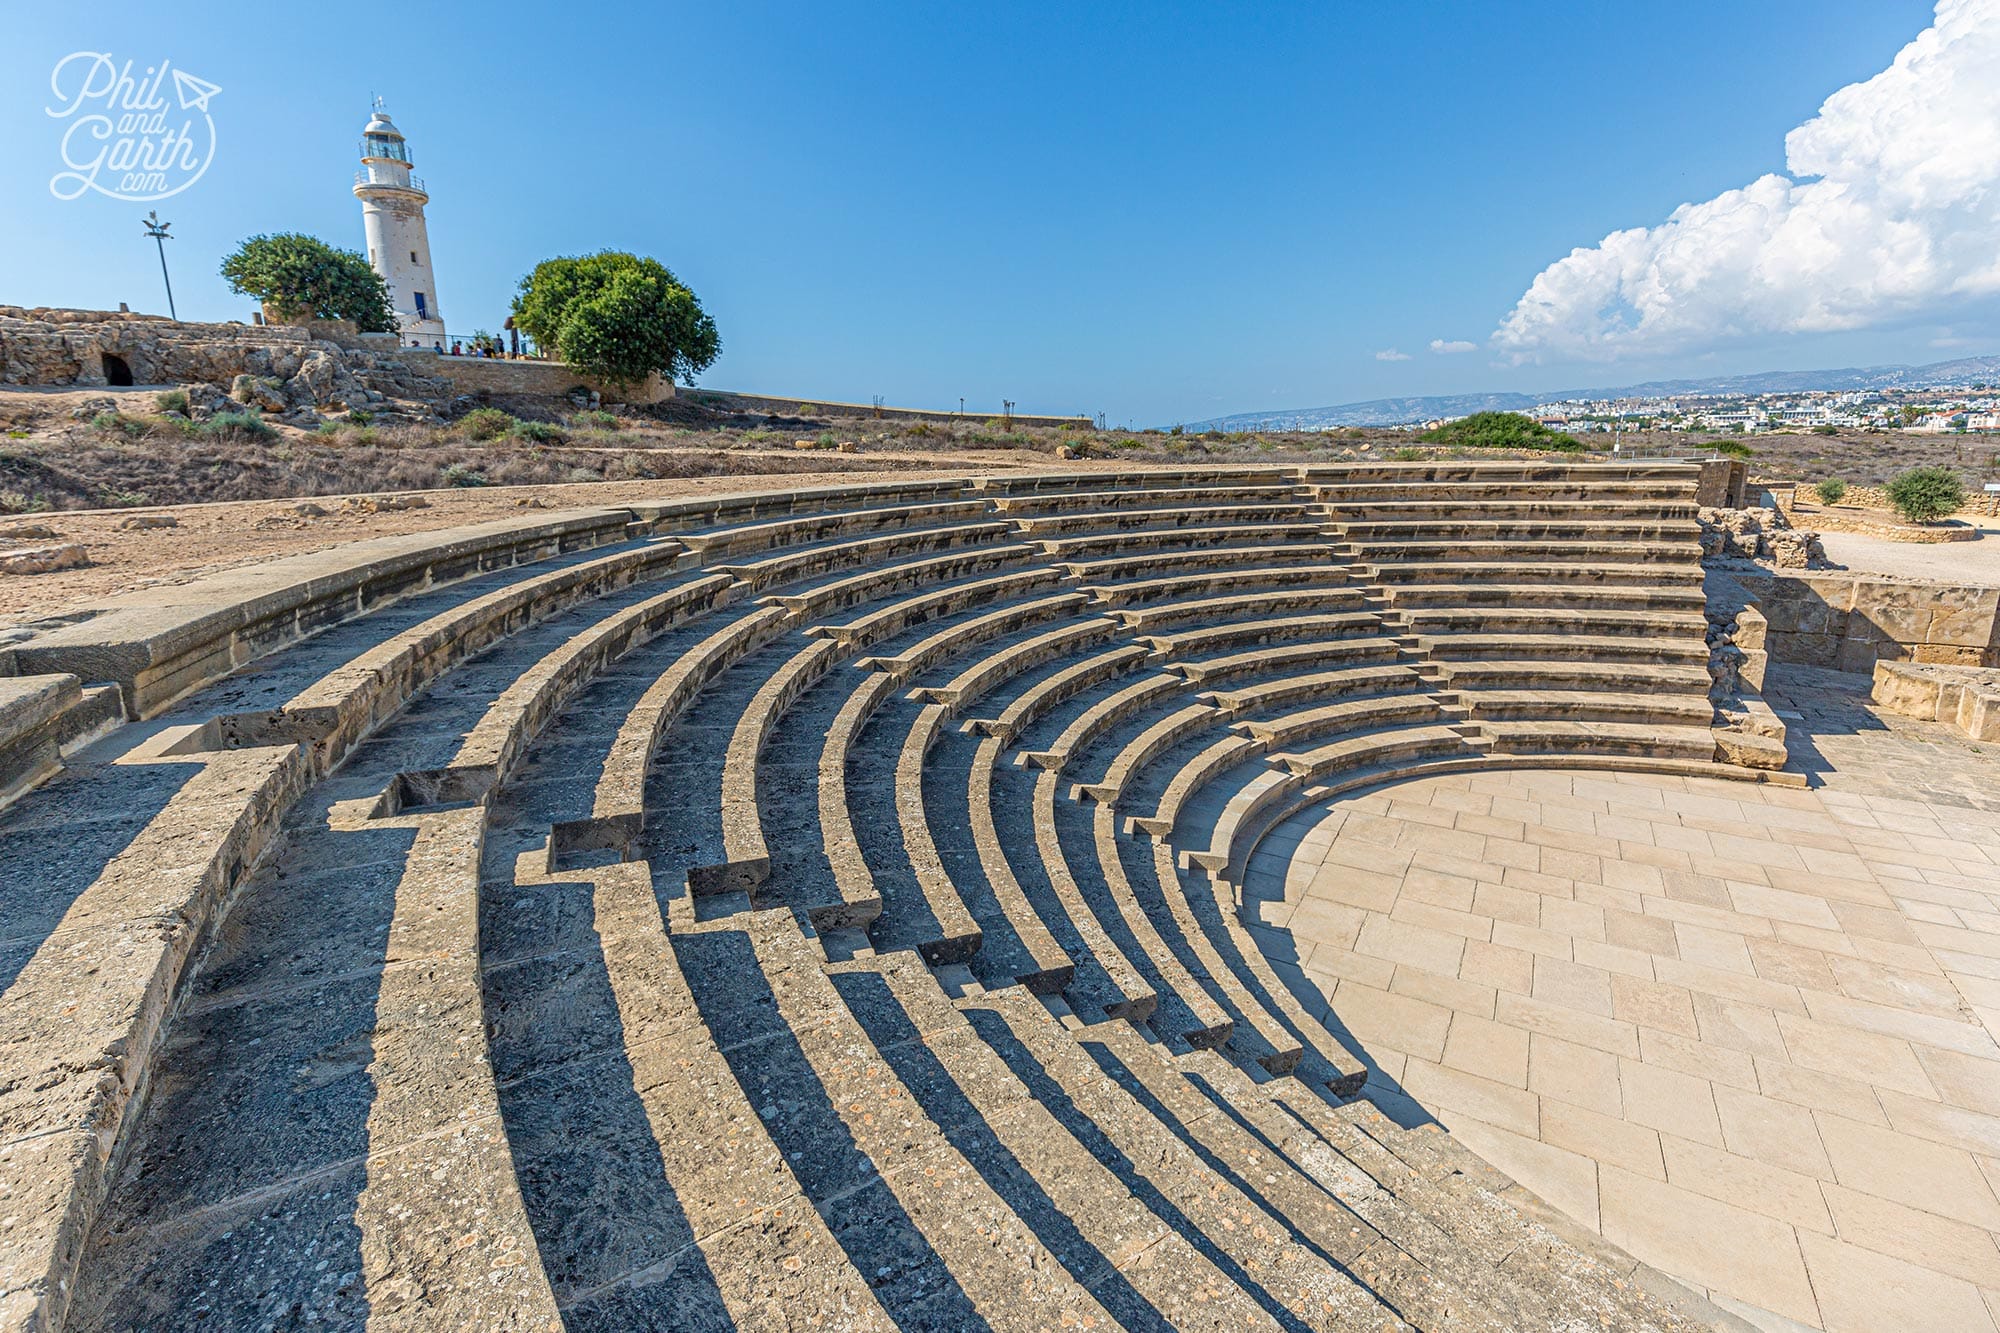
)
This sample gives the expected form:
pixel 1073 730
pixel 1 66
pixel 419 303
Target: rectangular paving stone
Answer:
pixel 1669 1101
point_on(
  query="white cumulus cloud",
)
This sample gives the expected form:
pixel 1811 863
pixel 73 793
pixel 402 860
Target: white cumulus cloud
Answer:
pixel 1891 209
pixel 1391 354
pixel 1453 347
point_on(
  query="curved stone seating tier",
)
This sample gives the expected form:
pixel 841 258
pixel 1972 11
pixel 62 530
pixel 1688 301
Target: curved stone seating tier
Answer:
pixel 795 908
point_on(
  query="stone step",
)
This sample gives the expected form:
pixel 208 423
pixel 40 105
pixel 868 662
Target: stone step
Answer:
pixel 1201 560
pixel 1636 706
pixel 1553 620
pixel 1652 739
pixel 1451 574
pixel 1009 660
pixel 1058 526
pixel 1251 580
pixel 1592 648
pixel 1198 537
pixel 1531 674
pixel 1149 1261
pixel 1518 553
pixel 1582 596
pixel 1281 659
pixel 1103 501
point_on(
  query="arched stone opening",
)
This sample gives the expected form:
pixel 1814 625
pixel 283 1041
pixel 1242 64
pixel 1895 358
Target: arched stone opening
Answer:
pixel 117 371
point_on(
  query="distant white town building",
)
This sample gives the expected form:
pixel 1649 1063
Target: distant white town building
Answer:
pixel 392 214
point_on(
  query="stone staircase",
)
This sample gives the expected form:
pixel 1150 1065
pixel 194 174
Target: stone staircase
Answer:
pixel 802 910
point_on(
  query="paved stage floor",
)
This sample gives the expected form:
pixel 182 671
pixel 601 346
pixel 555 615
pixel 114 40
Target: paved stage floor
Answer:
pixel 1746 1032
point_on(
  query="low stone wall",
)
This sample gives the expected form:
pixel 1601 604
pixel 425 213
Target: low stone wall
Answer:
pixel 821 407
pixel 1785 494
pixel 1850 622
pixel 1966 697
pixel 548 379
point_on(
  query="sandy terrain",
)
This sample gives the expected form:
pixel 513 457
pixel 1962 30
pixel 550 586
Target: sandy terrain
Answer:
pixel 1941 562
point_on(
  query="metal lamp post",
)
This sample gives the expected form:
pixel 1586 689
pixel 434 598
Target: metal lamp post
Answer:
pixel 158 231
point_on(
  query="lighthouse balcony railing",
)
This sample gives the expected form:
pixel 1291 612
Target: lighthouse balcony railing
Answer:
pixel 369 178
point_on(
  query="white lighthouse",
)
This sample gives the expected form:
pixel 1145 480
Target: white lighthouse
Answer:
pixel 392 213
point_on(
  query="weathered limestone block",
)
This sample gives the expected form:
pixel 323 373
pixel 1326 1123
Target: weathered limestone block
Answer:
pixel 1909 693
pixel 44 559
pixel 1964 617
pixel 1978 713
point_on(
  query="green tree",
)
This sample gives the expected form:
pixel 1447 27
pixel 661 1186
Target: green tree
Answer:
pixel 617 316
pixel 1926 494
pixel 1830 490
pixel 1502 430
pixel 302 277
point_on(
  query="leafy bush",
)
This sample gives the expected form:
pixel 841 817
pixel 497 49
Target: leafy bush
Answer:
pixel 1830 490
pixel 1926 494
pixel 359 417
pixel 1734 449
pixel 110 422
pixel 119 499
pixel 539 432
pixel 1406 455
pixel 462 474
pixel 1502 430
pixel 617 316
pixel 486 423
pixel 175 401
pixel 602 420
pixel 302 277
pixel 1826 430
pixel 247 425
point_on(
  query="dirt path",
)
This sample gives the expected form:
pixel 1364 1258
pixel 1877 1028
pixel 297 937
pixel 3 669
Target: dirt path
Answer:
pixel 1941 562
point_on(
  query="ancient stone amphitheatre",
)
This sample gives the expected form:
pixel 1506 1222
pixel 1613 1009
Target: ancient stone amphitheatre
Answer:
pixel 854 909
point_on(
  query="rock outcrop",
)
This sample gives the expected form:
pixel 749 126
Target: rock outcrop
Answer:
pixel 279 368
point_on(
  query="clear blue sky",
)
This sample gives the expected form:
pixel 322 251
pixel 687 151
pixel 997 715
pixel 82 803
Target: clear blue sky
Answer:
pixel 1158 211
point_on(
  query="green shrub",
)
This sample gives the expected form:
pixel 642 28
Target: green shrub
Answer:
pixel 1734 449
pixel 1826 430
pixel 1830 490
pixel 118 422
pixel 248 424
pixel 1926 494
pixel 603 420
pixel 462 474
pixel 539 432
pixel 1502 430
pixel 175 401
pixel 116 499
pixel 485 423
pixel 359 416
pixel 1406 455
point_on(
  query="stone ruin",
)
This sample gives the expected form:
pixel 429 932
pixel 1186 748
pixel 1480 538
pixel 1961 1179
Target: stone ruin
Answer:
pixel 1760 534
pixel 292 372
pixel 795 910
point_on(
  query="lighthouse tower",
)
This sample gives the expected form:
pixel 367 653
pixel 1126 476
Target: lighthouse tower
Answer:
pixel 392 214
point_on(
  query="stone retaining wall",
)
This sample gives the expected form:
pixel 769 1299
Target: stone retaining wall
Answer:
pixel 551 379
pixel 1849 622
pixel 1785 494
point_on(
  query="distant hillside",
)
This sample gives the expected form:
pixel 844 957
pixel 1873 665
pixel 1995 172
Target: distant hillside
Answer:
pixel 1395 411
